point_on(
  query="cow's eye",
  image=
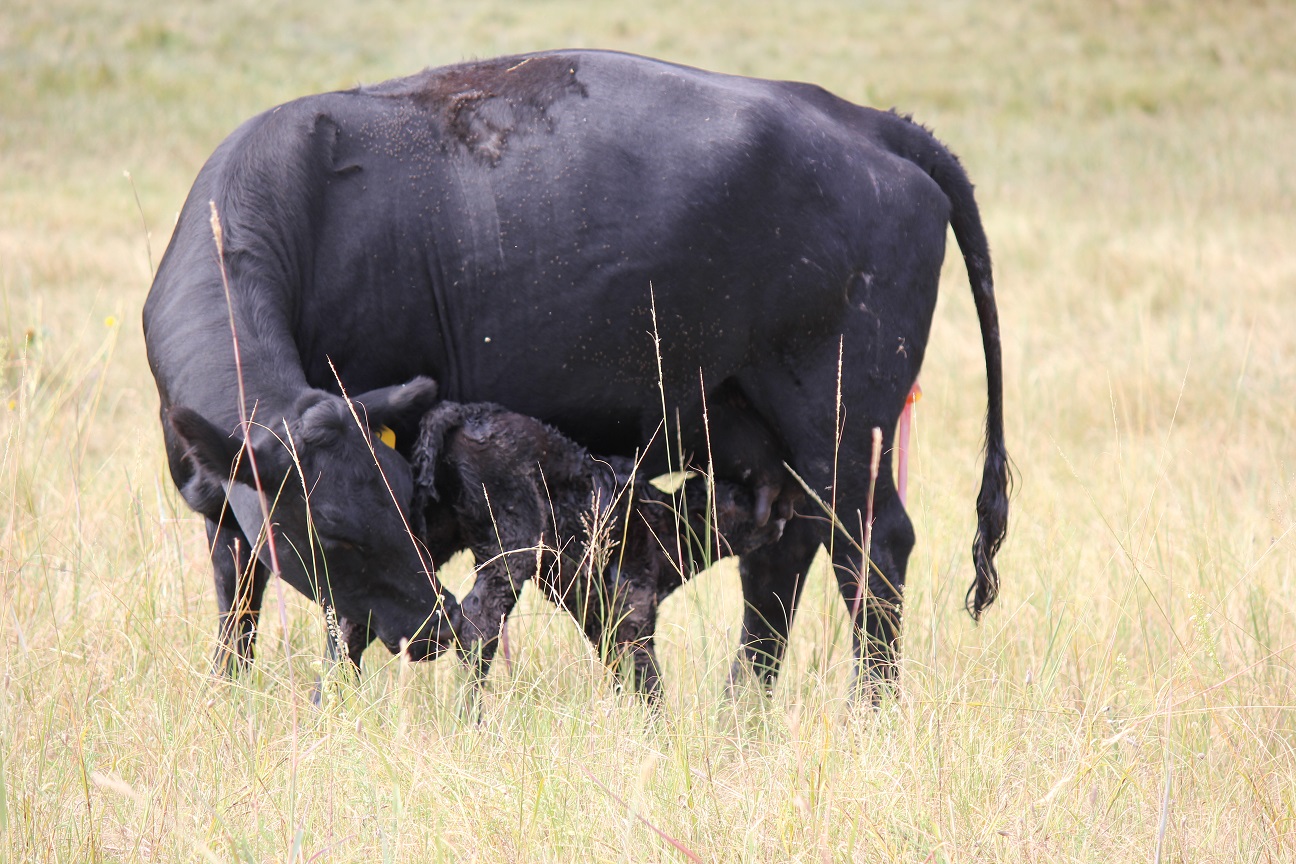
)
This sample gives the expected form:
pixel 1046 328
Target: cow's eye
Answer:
pixel 340 544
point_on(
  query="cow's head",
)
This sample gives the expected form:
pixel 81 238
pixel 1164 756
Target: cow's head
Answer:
pixel 339 500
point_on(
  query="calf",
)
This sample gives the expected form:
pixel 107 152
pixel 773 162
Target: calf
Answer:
pixel 600 541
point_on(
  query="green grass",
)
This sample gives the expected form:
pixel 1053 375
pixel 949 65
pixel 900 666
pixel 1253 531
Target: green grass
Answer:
pixel 1136 173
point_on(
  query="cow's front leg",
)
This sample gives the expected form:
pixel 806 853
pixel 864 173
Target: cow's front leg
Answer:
pixel 240 581
pixel 345 641
pixel 356 637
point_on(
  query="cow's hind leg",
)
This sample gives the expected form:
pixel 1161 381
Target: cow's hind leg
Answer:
pixel 804 408
pixel 240 586
pixel 772 575
pixel 772 578
pixel 875 601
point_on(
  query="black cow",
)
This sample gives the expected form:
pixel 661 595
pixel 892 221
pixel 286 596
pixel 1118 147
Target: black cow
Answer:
pixel 598 538
pixel 594 239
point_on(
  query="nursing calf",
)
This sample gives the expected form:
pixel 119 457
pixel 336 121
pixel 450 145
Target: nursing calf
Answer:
pixel 596 537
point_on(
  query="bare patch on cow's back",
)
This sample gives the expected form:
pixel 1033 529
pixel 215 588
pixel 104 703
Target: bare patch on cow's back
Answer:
pixel 481 106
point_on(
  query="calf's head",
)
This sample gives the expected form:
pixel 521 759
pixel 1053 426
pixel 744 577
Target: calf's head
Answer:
pixel 338 499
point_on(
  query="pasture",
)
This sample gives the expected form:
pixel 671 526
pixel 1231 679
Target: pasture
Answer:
pixel 1132 695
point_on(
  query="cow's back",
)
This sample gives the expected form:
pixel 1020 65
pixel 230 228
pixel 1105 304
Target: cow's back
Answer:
pixel 519 228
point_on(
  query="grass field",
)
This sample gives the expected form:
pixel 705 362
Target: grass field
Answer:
pixel 1132 697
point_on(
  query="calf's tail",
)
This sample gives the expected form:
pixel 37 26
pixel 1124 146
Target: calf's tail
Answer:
pixel 919 146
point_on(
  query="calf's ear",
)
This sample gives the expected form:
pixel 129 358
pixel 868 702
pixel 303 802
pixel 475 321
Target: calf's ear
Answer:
pixel 399 408
pixel 212 450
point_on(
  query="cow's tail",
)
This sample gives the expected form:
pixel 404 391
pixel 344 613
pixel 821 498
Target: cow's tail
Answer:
pixel 919 146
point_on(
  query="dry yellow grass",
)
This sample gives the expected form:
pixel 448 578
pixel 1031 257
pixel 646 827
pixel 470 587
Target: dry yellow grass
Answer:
pixel 1130 695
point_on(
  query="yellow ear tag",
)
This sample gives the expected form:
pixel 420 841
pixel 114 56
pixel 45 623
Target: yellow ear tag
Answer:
pixel 387 436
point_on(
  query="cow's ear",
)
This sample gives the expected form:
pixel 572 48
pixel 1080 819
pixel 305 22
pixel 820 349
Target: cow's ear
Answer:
pixel 212 450
pixel 399 408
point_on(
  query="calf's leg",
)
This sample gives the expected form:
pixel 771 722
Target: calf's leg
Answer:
pixel 492 598
pixel 631 610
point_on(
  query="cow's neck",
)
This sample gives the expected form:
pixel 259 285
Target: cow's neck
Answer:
pixel 206 375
